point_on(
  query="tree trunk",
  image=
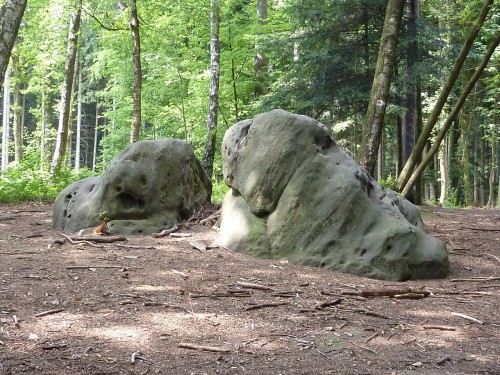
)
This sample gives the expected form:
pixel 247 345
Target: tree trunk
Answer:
pixel 17 110
pixel 406 174
pixel 5 122
pixel 11 13
pixel 451 117
pixel 66 92
pixel 261 61
pixel 96 129
pixel 493 167
pixel 136 57
pixel 372 130
pixel 213 96
pixel 78 116
pixel 443 171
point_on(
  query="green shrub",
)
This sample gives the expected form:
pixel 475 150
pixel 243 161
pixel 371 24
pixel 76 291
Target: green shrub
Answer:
pixel 21 184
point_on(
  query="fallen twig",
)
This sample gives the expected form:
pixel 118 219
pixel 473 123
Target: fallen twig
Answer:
pixel 363 347
pixel 493 256
pixel 135 246
pixel 263 305
pixel 49 312
pixel 181 274
pixel 467 317
pixel 99 239
pixel 441 328
pixel 253 286
pixel 476 279
pixel 372 337
pixel 204 348
pixel 76 242
pixel 85 267
pixel 166 232
pixel 392 292
pixel 482 229
pixel 326 304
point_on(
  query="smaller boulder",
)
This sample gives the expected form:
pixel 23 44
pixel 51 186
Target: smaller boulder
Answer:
pixel 148 187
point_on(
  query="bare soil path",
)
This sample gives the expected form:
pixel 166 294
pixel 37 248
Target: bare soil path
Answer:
pixel 161 306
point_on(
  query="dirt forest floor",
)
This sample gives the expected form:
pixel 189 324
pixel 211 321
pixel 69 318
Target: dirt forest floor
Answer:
pixel 164 306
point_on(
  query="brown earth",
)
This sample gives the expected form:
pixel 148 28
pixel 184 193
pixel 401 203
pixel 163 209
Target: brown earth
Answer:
pixel 164 307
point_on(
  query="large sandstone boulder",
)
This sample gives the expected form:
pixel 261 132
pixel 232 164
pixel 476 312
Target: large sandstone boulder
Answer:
pixel 296 195
pixel 148 187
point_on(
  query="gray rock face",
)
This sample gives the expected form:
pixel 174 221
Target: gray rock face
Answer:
pixel 148 187
pixel 296 195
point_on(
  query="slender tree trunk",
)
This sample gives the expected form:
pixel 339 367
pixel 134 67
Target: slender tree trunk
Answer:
pixel 213 96
pixel 261 60
pixel 493 167
pixel 233 77
pixel 372 130
pixel 11 14
pixel 66 93
pixel 17 108
pixel 136 57
pixel 452 116
pixel 443 171
pixel 96 129
pixel 5 122
pixel 476 170
pixel 78 116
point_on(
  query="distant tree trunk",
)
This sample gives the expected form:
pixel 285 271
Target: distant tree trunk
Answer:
pixel 260 57
pixel 476 170
pixel 372 130
pixel 17 110
pixel 5 122
pixel 96 128
pixel 213 96
pixel 233 77
pixel 136 56
pixel 410 115
pixel 444 168
pixel 66 92
pixel 493 167
pixel 11 14
pixel 78 116
pixel 451 117
pixel 441 101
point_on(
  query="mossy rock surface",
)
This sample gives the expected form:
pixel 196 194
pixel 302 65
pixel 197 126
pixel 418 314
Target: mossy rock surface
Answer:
pixel 296 195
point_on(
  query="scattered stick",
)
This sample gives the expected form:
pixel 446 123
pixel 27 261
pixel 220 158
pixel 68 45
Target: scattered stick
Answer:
pixel 441 328
pixel 366 312
pixel 49 312
pixel 493 256
pixel 328 304
pixel 410 296
pixel 136 246
pixel 392 292
pixel 372 337
pixel 253 286
pixel 483 229
pixel 203 348
pixel 135 356
pixel 85 267
pixel 166 232
pixel 476 279
pixel 214 216
pixel 79 241
pixel 363 347
pixel 264 305
pixel 54 346
pixel 181 274
pixel 467 317
pixel 99 239
pixel 181 234
pixel 229 293
pixel 5 218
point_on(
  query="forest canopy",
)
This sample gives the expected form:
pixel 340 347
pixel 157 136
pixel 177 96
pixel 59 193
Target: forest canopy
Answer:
pixel 87 78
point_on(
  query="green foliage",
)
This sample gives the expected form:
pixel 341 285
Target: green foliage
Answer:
pixel 219 190
pixel 25 184
pixel 389 182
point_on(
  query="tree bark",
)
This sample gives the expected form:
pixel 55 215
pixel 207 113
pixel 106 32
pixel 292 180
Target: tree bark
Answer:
pixel 441 101
pixel 261 60
pixel 5 122
pixel 451 117
pixel 372 130
pixel 136 57
pixel 213 96
pixel 11 14
pixel 493 167
pixel 78 115
pixel 66 92
pixel 17 111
